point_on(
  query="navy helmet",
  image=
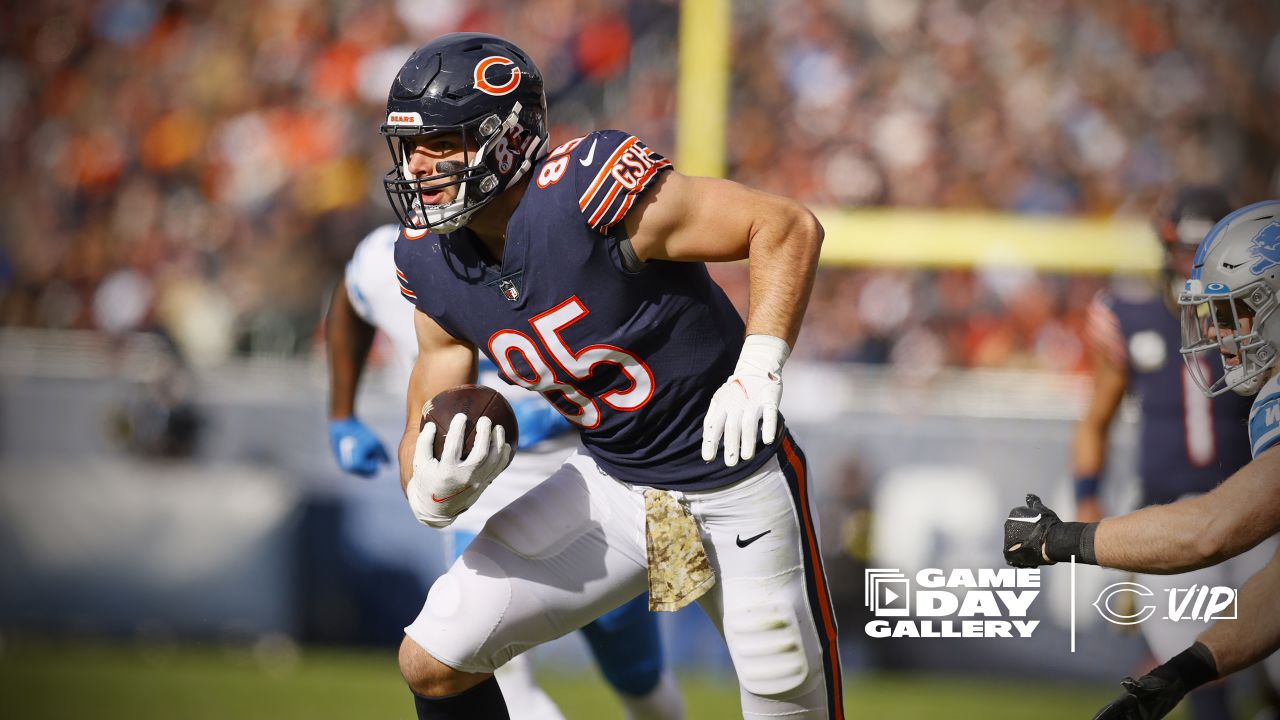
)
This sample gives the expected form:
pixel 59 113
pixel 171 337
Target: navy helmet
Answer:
pixel 488 92
pixel 1185 216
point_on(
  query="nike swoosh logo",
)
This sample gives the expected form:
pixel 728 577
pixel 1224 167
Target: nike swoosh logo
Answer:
pixel 447 497
pixel 743 543
pixel 591 155
pixel 1027 520
pixel 1230 266
pixel 347 449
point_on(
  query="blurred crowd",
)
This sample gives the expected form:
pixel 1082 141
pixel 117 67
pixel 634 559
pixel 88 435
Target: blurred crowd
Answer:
pixel 1057 106
pixel 203 168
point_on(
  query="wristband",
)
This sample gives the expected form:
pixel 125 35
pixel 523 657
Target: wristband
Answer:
pixel 1192 667
pixel 1071 538
pixel 763 353
pixel 1087 486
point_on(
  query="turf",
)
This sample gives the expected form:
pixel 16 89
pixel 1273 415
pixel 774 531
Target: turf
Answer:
pixel 55 681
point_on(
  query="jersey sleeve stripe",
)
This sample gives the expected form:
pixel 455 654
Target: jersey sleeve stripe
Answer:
pixel 1102 330
pixel 1266 444
pixel 405 290
pixel 608 200
pixel 594 187
pixel 631 196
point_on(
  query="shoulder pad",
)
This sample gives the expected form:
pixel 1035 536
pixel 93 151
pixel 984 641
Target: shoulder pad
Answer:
pixel 608 171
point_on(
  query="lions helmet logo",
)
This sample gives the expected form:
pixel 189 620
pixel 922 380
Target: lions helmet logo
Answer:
pixel 482 82
pixel 1266 247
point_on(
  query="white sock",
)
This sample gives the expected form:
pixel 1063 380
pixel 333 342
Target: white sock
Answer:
pixel 525 700
pixel 662 703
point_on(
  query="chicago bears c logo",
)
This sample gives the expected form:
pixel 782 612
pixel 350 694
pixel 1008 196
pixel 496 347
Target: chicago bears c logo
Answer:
pixel 1266 247
pixel 483 85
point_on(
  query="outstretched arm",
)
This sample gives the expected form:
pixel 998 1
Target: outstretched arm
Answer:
pixel 1189 534
pixel 1200 531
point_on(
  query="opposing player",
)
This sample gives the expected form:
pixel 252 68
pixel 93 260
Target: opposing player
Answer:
pixel 579 272
pixel 1189 443
pixel 625 641
pixel 1228 308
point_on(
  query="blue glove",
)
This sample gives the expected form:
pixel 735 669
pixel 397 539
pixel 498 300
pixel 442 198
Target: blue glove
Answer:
pixel 538 421
pixel 356 448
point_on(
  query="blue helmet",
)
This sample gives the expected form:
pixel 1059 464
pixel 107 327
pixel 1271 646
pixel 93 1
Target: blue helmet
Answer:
pixel 484 89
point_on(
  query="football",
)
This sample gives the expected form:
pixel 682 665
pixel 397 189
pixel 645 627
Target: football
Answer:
pixel 474 401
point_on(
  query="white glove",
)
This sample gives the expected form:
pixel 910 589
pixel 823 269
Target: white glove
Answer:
pixel 441 489
pixel 749 398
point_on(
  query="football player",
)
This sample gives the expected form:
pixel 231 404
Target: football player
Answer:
pixel 579 271
pixel 625 641
pixel 1189 443
pixel 1227 308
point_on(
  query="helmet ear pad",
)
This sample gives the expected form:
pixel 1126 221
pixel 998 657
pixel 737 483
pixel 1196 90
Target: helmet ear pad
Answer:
pixel 486 89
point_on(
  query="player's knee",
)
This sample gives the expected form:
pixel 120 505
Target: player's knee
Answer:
pixel 768 651
pixel 426 675
pixel 462 609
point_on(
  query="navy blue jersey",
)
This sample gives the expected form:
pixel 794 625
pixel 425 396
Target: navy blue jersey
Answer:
pixel 1189 443
pixel 630 357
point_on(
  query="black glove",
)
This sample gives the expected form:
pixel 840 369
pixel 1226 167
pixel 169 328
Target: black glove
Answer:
pixel 1147 698
pixel 1027 528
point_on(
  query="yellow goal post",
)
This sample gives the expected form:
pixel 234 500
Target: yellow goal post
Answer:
pixel 889 237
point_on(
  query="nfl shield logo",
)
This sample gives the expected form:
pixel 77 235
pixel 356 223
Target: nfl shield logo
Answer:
pixel 509 289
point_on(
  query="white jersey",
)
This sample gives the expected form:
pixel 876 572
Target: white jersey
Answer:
pixel 1264 418
pixel 375 294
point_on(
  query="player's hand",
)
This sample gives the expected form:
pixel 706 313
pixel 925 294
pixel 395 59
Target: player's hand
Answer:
pixel 748 400
pixel 1147 698
pixel 538 421
pixel 356 448
pixel 1025 531
pixel 442 488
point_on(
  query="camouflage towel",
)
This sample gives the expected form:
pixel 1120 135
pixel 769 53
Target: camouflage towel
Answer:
pixel 679 571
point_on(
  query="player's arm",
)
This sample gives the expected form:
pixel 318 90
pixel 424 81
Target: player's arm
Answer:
pixel 1228 646
pixel 440 488
pixel 1255 633
pixel 443 362
pixel 348 339
pixel 704 219
pixel 1189 534
pixel 1109 360
pixel 712 220
pixel 1089 443
pixel 1199 531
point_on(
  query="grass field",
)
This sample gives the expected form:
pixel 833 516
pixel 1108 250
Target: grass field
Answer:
pixel 44 682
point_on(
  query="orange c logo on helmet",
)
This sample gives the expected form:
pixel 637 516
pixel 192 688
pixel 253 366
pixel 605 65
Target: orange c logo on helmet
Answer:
pixel 487 87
